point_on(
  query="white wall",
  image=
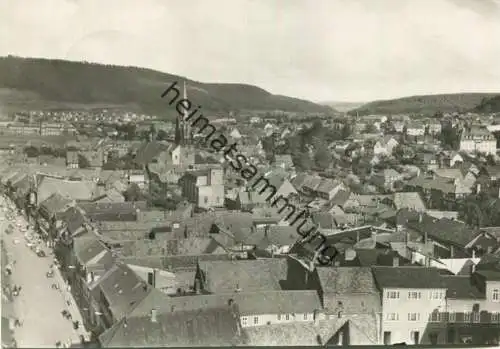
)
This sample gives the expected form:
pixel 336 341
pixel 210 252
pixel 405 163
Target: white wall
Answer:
pixel 264 319
pixel 401 328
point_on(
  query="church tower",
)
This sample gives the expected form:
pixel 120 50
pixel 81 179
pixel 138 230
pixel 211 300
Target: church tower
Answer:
pixel 182 127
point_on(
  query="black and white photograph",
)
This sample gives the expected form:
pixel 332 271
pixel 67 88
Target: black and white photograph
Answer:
pixel 241 173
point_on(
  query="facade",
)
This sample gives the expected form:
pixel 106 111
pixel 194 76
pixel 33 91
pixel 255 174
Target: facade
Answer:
pixel 478 140
pixel 409 296
pixel 205 188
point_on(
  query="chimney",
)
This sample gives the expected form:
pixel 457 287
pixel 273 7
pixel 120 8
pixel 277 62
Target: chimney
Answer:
pixel 316 317
pixel 395 261
pixel 154 315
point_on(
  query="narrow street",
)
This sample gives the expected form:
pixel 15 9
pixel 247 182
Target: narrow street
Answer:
pixel 38 306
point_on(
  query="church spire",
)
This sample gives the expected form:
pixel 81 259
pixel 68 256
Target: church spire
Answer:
pixel 182 129
pixel 186 128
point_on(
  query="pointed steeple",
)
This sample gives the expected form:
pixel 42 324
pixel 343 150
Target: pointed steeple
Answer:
pixel 178 131
pixel 186 128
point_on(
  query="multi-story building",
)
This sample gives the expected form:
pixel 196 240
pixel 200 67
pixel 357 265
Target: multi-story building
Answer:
pixel 205 187
pixel 478 139
pixel 409 296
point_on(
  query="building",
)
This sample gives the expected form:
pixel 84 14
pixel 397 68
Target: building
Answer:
pixel 409 296
pixel 478 139
pixel 205 187
pixel 183 132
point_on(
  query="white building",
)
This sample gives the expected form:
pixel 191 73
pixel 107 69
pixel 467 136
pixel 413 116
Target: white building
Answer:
pixel 478 139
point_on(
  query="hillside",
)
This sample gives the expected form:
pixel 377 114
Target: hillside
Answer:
pixel 49 83
pixel 489 105
pixel 428 104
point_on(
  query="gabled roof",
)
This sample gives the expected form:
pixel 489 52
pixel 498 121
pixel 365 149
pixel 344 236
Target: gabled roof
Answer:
pixel 461 287
pixel 247 275
pixel 54 204
pixel 122 289
pixel 444 230
pixel 274 235
pixel 346 280
pixel 410 200
pixel 148 151
pixel 407 277
pixel 202 327
pixel 76 190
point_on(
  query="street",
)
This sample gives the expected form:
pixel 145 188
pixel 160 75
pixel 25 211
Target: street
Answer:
pixel 38 306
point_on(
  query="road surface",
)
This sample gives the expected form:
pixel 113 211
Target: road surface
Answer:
pixel 38 306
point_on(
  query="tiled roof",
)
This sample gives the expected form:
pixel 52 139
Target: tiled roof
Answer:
pixel 347 280
pixel 490 275
pixel 275 235
pixel 148 151
pixel 122 288
pixel 247 275
pixel 410 200
pixel 248 303
pixel 76 190
pixel 206 327
pixel 88 247
pixel 407 277
pixel 54 204
pixel 443 229
pixel 461 287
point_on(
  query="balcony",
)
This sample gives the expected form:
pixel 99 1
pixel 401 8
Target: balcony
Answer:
pixel 482 318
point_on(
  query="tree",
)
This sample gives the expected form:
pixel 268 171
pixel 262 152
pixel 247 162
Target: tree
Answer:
pixel 302 161
pixel 370 128
pixel 346 131
pixel 31 152
pixel 133 193
pixel 322 158
pixel 83 162
pixel 490 160
pixel 161 135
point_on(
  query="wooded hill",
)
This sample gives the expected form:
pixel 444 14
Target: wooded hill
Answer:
pixel 51 83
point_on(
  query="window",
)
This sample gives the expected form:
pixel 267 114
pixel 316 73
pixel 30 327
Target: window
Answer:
pixel 287 317
pixel 477 317
pixel 392 316
pixel 495 317
pixel 467 317
pixel 206 199
pixel 436 295
pixel 496 296
pixel 244 321
pixel 414 295
pixel 453 317
pixel 305 316
pixel 279 317
pixel 413 316
pixel 393 294
pixel 255 320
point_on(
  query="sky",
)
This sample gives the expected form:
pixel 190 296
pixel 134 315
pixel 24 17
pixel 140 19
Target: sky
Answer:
pixel 331 50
